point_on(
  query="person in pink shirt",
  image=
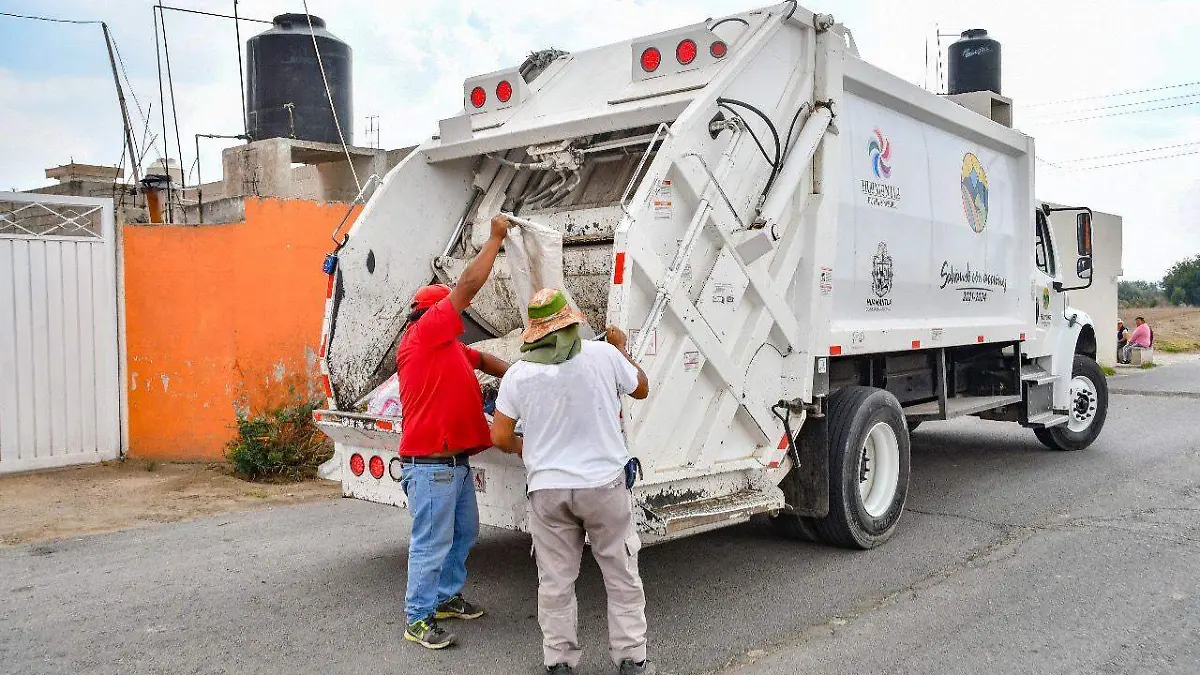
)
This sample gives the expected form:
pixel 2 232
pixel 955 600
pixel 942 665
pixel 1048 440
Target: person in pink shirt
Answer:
pixel 1141 338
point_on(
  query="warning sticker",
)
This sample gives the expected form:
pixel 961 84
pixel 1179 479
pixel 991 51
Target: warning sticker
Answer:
pixel 935 335
pixel 663 200
pixel 826 280
pixel 651 347
pixel 691 361
pixel 722 293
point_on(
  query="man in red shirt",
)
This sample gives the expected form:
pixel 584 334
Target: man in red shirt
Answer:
pixel 442 426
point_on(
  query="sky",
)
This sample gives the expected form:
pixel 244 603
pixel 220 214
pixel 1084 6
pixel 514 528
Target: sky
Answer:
pixel 58 103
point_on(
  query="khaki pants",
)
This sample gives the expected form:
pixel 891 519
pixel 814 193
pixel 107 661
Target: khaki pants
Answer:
pixel 558 521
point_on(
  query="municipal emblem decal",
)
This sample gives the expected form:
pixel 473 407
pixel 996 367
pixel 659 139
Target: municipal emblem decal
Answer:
pixel 881 272
pixel 974 192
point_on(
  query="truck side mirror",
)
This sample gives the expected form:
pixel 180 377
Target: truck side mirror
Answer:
pixel 1083 268
pixel 1083 234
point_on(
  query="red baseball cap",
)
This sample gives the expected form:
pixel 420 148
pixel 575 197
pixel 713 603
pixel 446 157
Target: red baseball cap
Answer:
pixel 428 296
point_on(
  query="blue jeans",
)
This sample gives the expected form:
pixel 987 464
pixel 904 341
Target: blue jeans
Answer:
pixel 441 500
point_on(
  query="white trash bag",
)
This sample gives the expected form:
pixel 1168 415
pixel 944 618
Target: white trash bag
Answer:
pixel 535 261
pixel 384 401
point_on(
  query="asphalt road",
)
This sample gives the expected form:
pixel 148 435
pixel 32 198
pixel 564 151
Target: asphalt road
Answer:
pixel 1010 559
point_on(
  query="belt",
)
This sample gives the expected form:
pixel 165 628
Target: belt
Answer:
pixel 461 459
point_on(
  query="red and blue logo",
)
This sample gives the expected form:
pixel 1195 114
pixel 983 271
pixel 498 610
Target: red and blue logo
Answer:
pixel 880 149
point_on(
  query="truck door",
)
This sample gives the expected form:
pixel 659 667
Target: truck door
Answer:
pixel 1048 304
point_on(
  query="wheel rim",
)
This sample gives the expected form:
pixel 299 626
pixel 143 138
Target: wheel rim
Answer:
pixel 1084 403
pixel 879 469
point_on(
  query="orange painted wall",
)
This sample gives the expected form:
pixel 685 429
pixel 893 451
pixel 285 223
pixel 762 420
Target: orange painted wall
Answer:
pixel 221 319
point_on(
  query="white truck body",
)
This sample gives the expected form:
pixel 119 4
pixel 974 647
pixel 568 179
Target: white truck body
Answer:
pixel 895 249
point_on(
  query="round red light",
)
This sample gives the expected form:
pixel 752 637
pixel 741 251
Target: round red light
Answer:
pixel 377 466
pixel 357 465
pixel 478 97
pixel 685 53
pixel 718 49
pixel 504 91
pixel 651 58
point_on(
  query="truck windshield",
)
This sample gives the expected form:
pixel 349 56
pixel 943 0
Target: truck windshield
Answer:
pixel 1043 246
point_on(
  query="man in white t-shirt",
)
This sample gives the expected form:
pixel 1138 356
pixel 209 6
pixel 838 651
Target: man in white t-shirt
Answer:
pixel 567 392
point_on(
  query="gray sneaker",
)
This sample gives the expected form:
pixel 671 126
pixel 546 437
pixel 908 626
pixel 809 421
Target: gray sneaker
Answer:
pixel 631 667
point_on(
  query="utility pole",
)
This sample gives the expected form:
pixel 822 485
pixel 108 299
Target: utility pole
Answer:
pixel 112 61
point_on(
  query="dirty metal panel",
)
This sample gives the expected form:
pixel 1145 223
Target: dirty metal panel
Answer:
pixel 688 515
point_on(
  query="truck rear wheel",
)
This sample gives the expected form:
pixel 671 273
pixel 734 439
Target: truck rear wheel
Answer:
pixel 868 468
pixel 1088 409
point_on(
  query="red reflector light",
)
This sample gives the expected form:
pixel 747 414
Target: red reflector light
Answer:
pixel 916 344
pixel 504 91
pixel 718 49
pixel 357 465
pixel 685 53
pixel 835 350
pixel 651 58
pixel 478 97
pixel 979 338
pixel 377 466
pixel 619 269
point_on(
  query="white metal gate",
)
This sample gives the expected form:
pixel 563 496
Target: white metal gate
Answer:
pixel 60 394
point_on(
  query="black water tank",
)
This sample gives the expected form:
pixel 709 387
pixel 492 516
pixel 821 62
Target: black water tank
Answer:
pixel 974 63
pixel 282 69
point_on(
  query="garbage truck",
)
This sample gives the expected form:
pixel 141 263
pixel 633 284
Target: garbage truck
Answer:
pixel 811 257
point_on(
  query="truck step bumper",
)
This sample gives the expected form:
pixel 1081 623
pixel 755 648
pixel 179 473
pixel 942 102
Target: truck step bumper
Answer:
pixel 713 511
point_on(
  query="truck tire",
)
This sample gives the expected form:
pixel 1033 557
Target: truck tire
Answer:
pixel 1089 409
pixel 868 468
pixel 794 527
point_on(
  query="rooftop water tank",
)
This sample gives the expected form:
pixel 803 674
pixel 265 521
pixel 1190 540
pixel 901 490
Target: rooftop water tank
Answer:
pixel 286 94
pixel 974 63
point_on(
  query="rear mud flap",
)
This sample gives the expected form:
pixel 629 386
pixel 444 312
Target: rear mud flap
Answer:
pixel 806 488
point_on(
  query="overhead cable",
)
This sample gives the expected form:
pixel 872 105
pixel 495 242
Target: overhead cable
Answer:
pixel 1115 94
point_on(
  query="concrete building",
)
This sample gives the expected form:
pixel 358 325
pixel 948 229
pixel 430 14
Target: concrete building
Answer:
pixel 1100 300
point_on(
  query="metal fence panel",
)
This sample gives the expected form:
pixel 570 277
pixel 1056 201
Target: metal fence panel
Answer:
pixel 59 349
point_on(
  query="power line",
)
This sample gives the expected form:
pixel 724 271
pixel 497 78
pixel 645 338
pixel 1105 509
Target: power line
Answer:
pixel 1130 152
pixel 1138 161
pixel 1116 106
pixel 1118 114
pixel 1115 94
pixel 50 19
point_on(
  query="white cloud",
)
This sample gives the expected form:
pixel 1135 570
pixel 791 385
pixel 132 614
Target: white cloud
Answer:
pixel 411 58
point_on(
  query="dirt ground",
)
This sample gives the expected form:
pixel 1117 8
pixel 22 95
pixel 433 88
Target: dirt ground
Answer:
pixel 119 495
pixel 1173 326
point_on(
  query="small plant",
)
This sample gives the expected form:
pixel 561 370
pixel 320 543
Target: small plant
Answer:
pixel 281 445
pixel 151 465
pixel 1148 366
pixel 1108 371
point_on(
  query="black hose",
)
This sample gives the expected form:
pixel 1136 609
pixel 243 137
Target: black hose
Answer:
pixel 728 19
pixel 754 136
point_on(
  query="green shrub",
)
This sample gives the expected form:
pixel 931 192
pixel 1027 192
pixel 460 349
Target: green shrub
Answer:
pixel 1108 371
pixel 282 445
pixel 1176 347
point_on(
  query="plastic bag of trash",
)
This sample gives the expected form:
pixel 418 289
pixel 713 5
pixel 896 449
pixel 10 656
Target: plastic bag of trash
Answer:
pixel 384 401
pixel 535 261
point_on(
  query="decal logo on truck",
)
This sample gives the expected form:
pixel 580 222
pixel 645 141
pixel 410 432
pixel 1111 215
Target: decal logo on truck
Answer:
pixel 974 192
pixel 880 149
pixel 880 195
pixel 975 285
pixel 882 277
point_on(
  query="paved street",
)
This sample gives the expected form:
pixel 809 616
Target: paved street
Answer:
pixel 1010 559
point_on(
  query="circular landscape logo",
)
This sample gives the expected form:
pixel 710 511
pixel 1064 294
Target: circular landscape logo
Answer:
pixel 974 192
pixel 880 149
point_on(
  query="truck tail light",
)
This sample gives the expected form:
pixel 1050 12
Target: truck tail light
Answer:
pixel 504 91
pixel 686 51
pixel 478 97
pixel 377 467
pixel 718 49
pixel 357 465
pixel 651 58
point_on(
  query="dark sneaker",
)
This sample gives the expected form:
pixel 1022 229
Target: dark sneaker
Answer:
pixel 457 608
pixel 560 669
pixel 428 633
pixel 631 667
